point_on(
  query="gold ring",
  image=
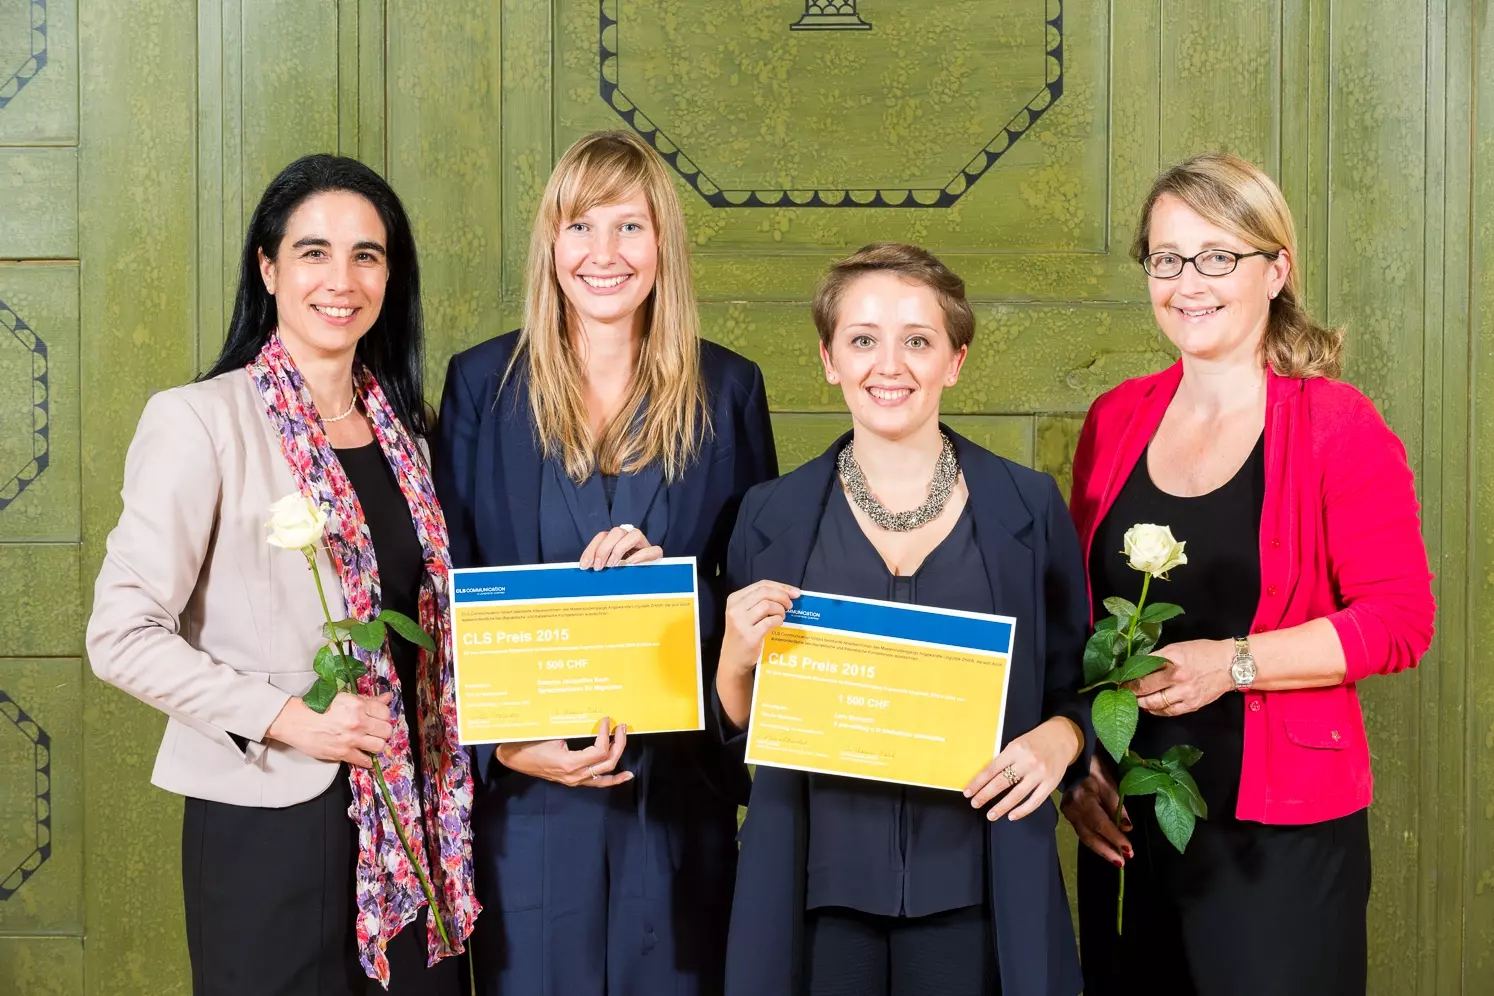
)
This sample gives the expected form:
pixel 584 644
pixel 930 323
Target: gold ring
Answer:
pixel 593 769
pixel 1165 703
pixel 1011 776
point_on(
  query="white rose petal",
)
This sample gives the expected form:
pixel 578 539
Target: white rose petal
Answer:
pixel 1152 550
pixel 296 523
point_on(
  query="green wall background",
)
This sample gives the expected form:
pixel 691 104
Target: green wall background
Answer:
pixel 135 136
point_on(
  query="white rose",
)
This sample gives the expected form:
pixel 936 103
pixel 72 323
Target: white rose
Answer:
pixel 296 523
pixel 1152 550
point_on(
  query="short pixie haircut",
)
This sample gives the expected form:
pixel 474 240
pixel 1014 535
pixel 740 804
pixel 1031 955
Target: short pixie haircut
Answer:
pixel 907 262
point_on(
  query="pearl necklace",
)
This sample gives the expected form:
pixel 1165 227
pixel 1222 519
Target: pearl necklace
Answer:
pixel 946 472
pixel 351 405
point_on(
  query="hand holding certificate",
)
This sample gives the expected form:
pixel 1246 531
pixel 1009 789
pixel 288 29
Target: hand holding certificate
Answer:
pixel 881 690
pixel 553 651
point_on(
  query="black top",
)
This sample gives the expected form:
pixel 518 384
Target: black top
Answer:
pixel 880 848
pixel 1218 589
pixel 401 565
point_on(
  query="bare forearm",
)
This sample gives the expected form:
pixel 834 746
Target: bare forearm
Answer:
pixel 1305 656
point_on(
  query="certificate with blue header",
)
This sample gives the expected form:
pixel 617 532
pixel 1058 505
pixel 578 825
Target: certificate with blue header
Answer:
pixel 881 690
pixel 544 652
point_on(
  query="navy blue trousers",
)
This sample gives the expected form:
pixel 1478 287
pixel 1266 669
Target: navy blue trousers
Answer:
pixel 586 892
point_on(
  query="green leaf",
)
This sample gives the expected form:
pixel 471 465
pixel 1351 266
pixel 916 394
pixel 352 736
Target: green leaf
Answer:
pixel 369 635
pixel 326 664
pixel 320 696
pixel 1147 635
pixel 1141 780
pixel 1122 609
pixel 1190 795
pixel 1130 761
pixel 1174 816
pixel 1107 623
pixel 1180 757
pixel 1137 667
pixel 408 628
pixel 1160 612
pixel 337 630
pixel 1100 653
pixel 1114 714
pixel 354 670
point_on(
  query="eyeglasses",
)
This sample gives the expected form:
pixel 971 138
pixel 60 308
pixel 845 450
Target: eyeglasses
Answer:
pixel 1210 262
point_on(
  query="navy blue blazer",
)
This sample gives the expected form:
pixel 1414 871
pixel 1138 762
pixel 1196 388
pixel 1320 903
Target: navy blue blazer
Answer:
pixel 1036 573
pixel 487 465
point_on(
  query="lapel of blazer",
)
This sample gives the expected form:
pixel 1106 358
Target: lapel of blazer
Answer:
pixel 518 477
pixel 1003 529
pixel 789 520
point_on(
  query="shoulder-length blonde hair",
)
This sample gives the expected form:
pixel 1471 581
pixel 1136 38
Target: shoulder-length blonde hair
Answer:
pixel 1239 197
pixel 605 168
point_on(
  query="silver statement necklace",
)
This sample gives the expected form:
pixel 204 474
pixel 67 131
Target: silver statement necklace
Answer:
pixel 351 405
pixel 946 472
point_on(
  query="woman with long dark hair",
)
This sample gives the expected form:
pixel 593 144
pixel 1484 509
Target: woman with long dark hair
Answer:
pixel 294 877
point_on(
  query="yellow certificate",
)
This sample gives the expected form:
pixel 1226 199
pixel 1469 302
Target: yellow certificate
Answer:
pixel 881 690
pixel 545 652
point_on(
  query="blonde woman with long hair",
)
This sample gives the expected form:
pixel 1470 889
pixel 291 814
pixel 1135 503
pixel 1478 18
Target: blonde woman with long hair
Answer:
pixel 604 432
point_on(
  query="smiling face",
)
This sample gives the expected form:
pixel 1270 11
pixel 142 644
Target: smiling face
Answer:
pixel 1211 318
pixel 606 261
pixel 891 355
pixel 329 274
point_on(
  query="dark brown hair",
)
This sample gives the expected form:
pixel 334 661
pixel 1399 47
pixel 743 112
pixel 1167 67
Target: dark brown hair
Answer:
pixel 908 262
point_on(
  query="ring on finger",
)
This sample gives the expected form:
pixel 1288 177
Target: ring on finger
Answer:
pixel 627 527
pixel 1012 778
pixel 1165 703
pixel 593 769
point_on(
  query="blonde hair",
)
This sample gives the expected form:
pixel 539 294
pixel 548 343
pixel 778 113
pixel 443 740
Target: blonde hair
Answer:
pixel 1239 197
pixel 908 262
pixel 605 168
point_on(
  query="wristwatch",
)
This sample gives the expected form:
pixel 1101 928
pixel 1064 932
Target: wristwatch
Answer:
pixel 1242 668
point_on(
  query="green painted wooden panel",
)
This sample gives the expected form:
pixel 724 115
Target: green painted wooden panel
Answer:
pixel 528 147
pixel 445 143
pixel 41 796
pixel 38 73
pixel 1478 878
pixel 138 314
pixel 40 475
pixel 1220 79
pixel 1377 168
pixel 42 591
pixel 41 966
pixel 38 199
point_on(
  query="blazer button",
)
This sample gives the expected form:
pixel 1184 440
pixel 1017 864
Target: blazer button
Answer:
pixel 1271 589
pixel 1255 705
pixel 1275 543
pixel 1334 735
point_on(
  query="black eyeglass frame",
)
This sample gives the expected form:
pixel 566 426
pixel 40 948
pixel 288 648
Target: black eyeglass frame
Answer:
pixel 1146 262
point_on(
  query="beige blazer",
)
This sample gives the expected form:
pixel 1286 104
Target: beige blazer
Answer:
pixel 195 614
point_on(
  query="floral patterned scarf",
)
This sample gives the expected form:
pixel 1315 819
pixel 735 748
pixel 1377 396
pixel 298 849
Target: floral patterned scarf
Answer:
pixel 388 892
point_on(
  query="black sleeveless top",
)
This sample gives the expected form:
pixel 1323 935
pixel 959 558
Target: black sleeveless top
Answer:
pixel 1219 589
pixel 401 564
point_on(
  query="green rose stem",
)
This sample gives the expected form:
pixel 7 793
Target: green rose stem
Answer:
pixel 378 770
pixel 1120 801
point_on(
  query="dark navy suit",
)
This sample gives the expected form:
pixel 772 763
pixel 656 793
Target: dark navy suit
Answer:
pixel 1036 575
pixel 602 892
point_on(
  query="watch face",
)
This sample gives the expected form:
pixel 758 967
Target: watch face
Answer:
pixel 1243 670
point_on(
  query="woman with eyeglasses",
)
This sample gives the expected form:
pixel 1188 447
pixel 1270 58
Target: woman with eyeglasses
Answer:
pixel 1306 574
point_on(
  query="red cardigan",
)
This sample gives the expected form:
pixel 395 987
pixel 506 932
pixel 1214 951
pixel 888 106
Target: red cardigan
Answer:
pixel 1340 538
